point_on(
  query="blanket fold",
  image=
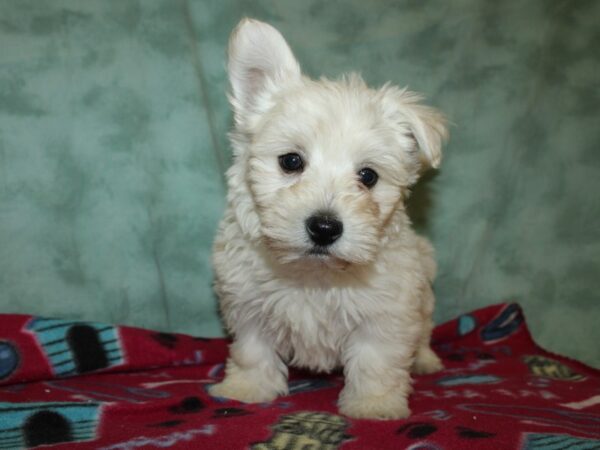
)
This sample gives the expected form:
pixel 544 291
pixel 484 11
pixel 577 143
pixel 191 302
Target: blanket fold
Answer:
pixel 81 385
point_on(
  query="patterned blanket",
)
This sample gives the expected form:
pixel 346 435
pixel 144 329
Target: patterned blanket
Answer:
pixel 79 385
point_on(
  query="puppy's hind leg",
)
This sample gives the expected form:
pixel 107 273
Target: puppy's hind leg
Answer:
pixel 426 361
pixel 254 372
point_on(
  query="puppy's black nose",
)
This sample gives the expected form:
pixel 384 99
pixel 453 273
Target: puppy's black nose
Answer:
pixel 324 229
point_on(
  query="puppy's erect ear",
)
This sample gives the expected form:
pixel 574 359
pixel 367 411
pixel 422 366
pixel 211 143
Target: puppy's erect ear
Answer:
pixel 426 125
pixel 260 62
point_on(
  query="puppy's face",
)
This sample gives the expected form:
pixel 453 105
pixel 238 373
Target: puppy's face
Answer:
pixel 327 164
pixel 327 171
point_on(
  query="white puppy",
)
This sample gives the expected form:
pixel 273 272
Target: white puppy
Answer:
pixel 316 262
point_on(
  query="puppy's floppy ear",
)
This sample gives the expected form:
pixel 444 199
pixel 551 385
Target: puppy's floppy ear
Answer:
pixel 426 125
pixel 260 61
pixel 429 129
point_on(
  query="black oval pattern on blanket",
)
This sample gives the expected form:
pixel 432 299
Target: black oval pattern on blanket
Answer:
pixel 87 349
pixel 469 433
pixel 229 412
pixel 166 424
pixel 188 405
pixel 167 340
pixel 417 430
pixel 45 428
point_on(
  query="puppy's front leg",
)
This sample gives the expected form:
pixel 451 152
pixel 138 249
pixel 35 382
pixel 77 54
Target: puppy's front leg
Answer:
pixel 254 372
pixel 376 368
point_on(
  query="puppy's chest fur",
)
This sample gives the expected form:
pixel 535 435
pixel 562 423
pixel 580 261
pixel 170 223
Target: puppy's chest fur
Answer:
pixel 307 320
pixel 310 327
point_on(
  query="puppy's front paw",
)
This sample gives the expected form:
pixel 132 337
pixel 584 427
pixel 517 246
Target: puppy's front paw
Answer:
pixel 243 391
pixel 386 407
pixel 426 362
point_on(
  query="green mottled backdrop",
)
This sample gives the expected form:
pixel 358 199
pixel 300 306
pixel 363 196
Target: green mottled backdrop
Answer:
pixel 112 150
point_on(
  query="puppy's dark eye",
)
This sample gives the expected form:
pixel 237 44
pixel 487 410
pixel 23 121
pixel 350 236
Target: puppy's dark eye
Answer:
pixel 368 177
pixel 291 162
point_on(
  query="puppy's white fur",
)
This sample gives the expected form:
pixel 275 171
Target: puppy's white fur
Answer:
pixel 367 304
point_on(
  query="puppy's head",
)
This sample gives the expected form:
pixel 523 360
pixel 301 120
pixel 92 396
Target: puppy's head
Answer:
pixel 321 167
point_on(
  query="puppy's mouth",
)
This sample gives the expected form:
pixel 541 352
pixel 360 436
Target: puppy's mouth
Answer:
pixel 323 256
pixel 318 250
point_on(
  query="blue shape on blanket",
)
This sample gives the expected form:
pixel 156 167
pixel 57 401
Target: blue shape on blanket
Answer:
pixel 458 380
pixel 466 324
pixel 9 359
pixel 45 423
pixel 504 324
pixel 543 441
pixel 77 347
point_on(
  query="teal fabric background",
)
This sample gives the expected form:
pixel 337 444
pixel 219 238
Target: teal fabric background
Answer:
pixel 113 122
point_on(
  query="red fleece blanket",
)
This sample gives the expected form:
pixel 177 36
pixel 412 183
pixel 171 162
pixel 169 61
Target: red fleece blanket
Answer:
pixel 78 385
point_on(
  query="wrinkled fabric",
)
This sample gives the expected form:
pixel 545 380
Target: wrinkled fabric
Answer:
pixel 82 385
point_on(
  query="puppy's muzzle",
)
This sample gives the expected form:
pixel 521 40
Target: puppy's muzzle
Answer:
pixel 324 229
